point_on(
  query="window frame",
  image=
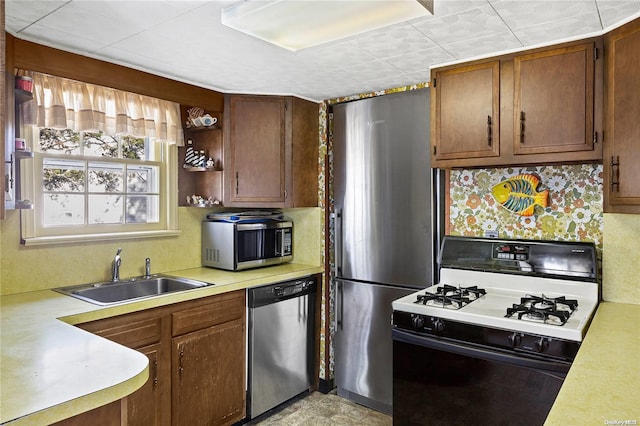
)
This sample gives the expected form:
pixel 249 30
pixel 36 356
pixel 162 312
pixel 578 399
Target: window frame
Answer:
pixel 34 232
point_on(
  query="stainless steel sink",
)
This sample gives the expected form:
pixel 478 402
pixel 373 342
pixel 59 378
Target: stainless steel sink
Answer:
pixel 109 293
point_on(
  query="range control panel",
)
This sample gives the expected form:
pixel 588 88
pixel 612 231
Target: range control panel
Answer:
pixel 510 251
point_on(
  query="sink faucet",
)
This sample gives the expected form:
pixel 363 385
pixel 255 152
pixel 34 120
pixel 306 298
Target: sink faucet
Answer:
pixel 147 268
pixel 115 267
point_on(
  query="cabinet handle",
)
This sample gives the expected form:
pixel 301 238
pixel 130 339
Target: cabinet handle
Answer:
pixel 615 173
pixel 237 182
pixel 521 126
pixel 489 131
pixel 155 370
pixel 181 355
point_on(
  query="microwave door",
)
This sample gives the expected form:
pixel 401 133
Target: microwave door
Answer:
pixel 250 244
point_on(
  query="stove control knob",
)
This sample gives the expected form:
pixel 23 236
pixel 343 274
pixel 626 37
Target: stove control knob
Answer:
pixel 515 339
pixel 417 321
pixel 541 344
pixel 438 325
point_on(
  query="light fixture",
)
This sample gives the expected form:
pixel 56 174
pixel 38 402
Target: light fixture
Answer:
pixel 297 24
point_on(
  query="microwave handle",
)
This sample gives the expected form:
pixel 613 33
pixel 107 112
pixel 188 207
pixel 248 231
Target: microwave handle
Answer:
pixel 280 242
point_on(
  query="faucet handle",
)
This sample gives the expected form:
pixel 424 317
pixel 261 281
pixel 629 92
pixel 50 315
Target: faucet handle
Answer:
pixel 118 251
pixel 147 268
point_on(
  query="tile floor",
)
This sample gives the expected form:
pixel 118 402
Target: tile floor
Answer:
pixel 318 409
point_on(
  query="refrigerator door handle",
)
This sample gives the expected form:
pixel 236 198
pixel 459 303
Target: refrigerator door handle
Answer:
pixel 338 241
pixel 339 305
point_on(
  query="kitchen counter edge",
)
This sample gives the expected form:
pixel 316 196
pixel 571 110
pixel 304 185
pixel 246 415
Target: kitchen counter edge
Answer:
pixel 36 388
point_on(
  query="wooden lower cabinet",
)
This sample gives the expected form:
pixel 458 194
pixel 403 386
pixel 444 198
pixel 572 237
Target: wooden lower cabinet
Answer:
pixel 207 389
pixel 196 354
pixel 146 405
pixel 107 415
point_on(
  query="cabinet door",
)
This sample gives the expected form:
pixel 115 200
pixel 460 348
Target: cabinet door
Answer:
pixel 107 415
pixel 208 376
pixel 467 112
pixel 622 147
pixel 553 100
pixel 146 406
pixel 149 405
pixel 257 149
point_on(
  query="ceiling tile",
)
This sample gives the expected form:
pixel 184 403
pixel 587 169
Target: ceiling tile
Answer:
pixel 558 30
pixel 394 41
pixel 419 61
pixel 30 11
pixel 519 14
pixel 483 46
pixel 614 11
pixel 186 41
pixel 467 25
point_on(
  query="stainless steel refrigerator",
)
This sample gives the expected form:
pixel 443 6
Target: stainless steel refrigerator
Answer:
pixel 386 224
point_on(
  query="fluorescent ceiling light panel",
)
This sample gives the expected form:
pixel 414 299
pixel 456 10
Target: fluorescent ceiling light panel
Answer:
pixel 297 24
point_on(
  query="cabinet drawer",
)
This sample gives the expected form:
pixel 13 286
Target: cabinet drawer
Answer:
pixel 221 309
pixel 132 332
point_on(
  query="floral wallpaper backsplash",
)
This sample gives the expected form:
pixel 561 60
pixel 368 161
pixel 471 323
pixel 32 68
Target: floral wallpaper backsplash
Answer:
pixel 574 211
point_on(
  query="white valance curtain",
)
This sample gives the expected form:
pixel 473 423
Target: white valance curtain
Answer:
pixel 63 103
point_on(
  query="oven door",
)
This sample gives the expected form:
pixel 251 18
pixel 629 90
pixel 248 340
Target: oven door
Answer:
pixel 439 382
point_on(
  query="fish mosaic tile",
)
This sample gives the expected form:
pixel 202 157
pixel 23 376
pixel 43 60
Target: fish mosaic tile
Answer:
pixel 574 211
pixel 518 194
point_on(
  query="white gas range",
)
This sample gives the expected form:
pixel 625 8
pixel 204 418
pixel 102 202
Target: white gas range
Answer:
pixel 493 341
pixel 541 306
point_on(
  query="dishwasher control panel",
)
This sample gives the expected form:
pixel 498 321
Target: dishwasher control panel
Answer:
pixel 272 293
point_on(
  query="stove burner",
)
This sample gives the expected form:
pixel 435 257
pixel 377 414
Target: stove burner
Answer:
pixel 555 311
pixel 450 297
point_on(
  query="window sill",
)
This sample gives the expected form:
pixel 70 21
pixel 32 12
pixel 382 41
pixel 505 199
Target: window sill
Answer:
pixel 70 239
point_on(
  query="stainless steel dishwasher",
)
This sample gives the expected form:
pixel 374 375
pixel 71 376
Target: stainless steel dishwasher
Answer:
pixel 281 343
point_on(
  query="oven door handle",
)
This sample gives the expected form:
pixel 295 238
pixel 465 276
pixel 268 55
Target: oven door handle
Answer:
pixel 481 353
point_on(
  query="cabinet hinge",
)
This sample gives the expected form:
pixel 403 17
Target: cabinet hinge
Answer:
pixel 595 137
pixel 595 53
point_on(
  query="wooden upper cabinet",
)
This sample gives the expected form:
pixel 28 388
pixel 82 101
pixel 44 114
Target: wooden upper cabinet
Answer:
pixel 466 109
pixel 553 100
pixel 543 106
pixel 622 112
pixel 256 149
pixel 271 151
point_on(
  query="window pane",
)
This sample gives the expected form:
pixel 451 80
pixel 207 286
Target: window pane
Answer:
pixel 142 179
pixel 134 148
pixel 106 177
pixel 99 144
pixel 63 209
pixel 105 209
pixel 63 175
pixel 143 209
pixel 64 141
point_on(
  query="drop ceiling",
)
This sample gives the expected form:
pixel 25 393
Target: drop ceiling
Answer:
pixel 185 40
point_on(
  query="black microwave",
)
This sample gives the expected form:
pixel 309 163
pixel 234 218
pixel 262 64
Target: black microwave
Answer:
pixel 243 245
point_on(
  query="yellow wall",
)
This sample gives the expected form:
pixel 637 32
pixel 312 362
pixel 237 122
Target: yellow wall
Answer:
pixel 621 258
pixel 31 268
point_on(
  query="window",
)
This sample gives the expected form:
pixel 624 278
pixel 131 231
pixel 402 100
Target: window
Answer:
pixel 97 182
pixel 121 187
